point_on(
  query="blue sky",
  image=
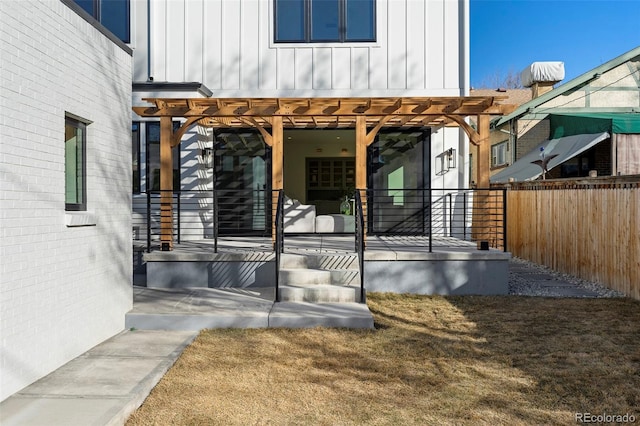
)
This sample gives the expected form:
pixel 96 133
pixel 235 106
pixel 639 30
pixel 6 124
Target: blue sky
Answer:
pixel 508 35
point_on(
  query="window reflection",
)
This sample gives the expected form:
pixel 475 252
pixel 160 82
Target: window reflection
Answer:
pixel 113 14
pixel 306 21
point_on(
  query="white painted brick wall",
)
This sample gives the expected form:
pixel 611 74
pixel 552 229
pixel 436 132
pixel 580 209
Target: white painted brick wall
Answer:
pixel 63 289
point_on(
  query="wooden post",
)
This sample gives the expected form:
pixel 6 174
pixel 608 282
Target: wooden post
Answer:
pixel 166 183
pixel 482 216
pixel 277 160
pixel 361 163
pixel 484 157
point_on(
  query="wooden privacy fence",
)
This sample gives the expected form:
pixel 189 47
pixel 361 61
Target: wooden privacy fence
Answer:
pixel 587 228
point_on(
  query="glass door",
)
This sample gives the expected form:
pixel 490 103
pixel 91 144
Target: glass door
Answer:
pixel 398 170
pixel 242 183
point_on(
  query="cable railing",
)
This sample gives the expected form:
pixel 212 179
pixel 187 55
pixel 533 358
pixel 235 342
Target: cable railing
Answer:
pixel 441 215
pixel 444 217
pixel 202 215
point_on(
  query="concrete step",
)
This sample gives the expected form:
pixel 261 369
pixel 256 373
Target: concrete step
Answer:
pixel 319 276
pixel 319 261
pixel 305 276
pixel 343 262
pixel 319 293
pixel 309 315
pixel 294 261
pixel 196 309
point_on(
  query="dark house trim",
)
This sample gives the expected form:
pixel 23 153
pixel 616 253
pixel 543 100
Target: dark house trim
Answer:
pixel 193 86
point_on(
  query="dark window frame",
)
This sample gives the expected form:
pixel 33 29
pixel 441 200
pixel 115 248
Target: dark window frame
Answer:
pixel 96 12
pixel 177 177
pixel 495 158
pixel 82 205
pixel 342 25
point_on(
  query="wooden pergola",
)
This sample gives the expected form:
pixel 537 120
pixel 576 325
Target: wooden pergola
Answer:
pixel 270 116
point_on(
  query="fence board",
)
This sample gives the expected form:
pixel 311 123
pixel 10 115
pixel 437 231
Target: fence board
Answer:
pixel 591 231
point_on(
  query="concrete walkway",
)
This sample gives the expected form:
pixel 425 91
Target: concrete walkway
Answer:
pixel 103 386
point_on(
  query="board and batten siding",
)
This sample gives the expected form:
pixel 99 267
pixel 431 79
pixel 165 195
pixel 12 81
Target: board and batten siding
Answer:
pixel 228 45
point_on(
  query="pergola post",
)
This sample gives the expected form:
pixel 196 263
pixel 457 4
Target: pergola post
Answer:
pixel 361 153
pixel 277 161
pixel 166 184
pixel 361 162
pixel 481 226
pixel 484 145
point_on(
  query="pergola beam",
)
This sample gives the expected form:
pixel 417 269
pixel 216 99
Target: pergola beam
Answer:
pixel 319 107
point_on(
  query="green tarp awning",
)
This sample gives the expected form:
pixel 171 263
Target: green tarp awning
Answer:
pixel 563 125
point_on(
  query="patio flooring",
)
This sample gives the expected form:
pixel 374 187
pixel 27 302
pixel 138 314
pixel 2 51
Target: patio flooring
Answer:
pixel 377 247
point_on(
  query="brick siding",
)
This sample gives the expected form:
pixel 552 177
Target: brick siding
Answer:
pixel 64 289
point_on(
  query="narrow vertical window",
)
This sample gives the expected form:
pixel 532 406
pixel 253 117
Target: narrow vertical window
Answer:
pixel 290 15
pixel 325 20
pixel 75 165
pixel 114 14
pixel 360 20
pixel 135 156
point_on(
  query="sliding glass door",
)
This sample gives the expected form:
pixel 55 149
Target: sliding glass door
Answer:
pixel 242 183
pixel 398 175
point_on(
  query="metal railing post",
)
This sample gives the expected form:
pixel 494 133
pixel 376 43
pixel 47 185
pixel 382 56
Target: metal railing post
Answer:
pixel 216 219
pixel 178 216
pixel 360 245
pixel 148 221
pixel 430 220
pixel 504 218
pixel 279 243
pixel 450 215
pixel 464 216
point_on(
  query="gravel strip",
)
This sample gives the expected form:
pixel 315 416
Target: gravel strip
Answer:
pixel 528 283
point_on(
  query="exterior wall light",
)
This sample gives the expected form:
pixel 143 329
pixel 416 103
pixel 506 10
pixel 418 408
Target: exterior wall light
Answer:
pixel 451 158
pixel 206 154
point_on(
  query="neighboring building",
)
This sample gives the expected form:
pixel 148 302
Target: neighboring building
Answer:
pixel 589 125
pixel 65 188
pixel 499 140
pixel 298 49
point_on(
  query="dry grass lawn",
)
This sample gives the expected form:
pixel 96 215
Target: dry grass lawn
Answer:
pixel 430 361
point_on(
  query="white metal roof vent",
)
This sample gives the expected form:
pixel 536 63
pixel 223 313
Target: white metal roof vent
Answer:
pixel 542 72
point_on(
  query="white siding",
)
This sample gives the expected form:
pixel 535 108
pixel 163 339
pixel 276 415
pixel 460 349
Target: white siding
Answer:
pixel 227 45
pixel 416 52
pixel 63 289
pixel 435 35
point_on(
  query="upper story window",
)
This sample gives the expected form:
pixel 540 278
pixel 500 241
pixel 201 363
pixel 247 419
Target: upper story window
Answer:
pixel 321 21
pixel 113 14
